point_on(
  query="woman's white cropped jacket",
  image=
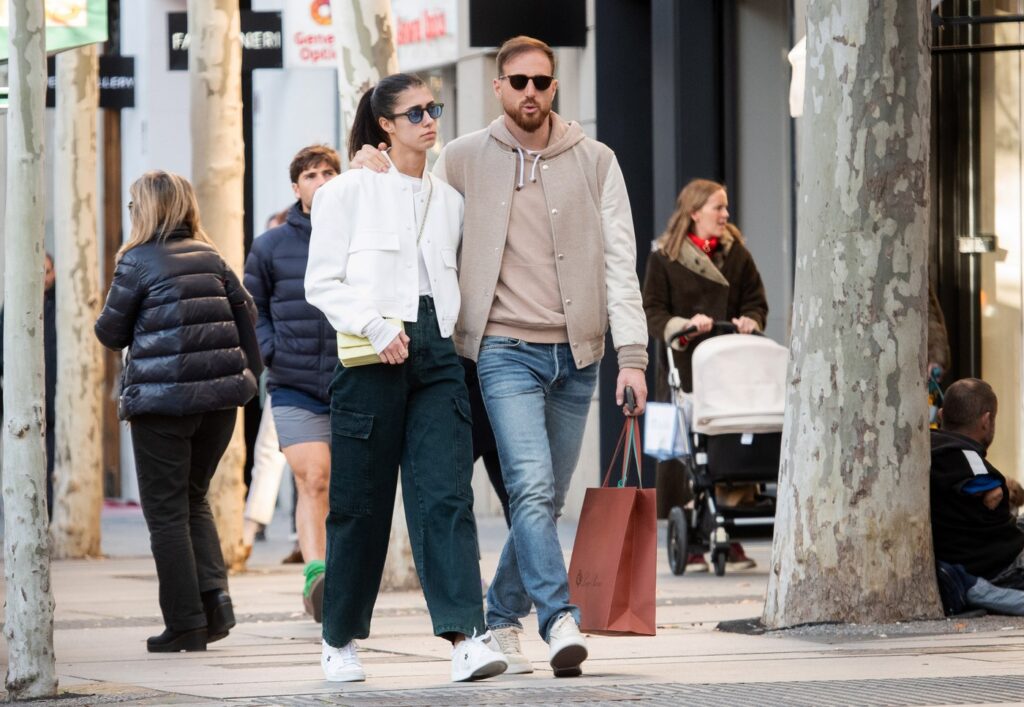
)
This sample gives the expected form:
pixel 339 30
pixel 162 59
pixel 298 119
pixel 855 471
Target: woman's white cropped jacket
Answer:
pixel 363 260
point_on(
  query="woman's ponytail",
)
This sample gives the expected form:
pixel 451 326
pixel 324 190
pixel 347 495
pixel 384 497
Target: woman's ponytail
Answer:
pixel 377 102
pixel 365 128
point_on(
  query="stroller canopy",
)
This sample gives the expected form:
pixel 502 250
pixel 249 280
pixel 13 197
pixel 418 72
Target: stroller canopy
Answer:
pixel 739 385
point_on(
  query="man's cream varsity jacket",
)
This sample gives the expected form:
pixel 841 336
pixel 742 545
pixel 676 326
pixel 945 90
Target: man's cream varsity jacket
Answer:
pixel 592 227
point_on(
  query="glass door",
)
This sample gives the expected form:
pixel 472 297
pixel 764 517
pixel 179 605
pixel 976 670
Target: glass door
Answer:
pixel 1000 211
pixel 979 165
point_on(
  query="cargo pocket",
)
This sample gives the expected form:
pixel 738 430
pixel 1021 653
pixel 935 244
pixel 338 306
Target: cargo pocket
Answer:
pixel 351 462
pixel 462 439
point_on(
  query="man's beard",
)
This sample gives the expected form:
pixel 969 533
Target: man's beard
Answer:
pixel 530 123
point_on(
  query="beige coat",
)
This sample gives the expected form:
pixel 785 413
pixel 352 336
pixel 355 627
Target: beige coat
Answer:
pixel 592 227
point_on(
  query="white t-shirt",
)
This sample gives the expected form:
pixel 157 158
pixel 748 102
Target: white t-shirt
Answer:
pixel 420 201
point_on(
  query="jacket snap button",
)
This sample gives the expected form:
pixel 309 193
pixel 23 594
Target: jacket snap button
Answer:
pixel 554 211
pixel 568 301
pixel 543 166
pixel 561 256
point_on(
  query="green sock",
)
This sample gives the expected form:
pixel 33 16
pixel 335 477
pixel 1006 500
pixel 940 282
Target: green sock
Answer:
pixel 313 570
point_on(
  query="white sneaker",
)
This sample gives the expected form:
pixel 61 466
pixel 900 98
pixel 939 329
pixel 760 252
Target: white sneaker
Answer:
pixel 508 644
pixel 477 658
pixel 567 647
pixel 341 664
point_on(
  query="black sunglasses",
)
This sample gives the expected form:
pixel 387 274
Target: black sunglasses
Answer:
pixel 415 115
pixel 519 81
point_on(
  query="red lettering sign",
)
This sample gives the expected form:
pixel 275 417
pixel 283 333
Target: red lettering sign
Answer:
pixel 423 29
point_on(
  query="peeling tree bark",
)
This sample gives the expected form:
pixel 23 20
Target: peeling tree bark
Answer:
pixel 365 37
pixel 78 469
pixel 28 625
pixel 853 533
pixel 218 170
pixel 364 34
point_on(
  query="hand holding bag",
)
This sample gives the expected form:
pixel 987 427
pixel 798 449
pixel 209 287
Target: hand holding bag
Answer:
pixel 355 350
pixel 613 570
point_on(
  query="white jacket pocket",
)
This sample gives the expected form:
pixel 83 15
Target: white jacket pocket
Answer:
pixel 373 260
pixel 374 239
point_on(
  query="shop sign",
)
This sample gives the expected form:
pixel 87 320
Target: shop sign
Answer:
pixel 69 24
pixel 117 81
pixel 116 78
pixel 261 40
pixel 560 24
pixel 426 32
pixel 309 37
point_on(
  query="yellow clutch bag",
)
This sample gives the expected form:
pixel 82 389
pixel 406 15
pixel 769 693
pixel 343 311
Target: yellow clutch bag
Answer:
pixel 357 350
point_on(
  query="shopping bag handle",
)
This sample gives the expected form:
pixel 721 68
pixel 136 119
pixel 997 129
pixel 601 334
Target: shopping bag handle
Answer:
pixel 632 451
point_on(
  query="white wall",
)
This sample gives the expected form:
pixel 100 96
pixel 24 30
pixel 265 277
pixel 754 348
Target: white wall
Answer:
pixel 765 179
pixel 291 109
pixel 155 133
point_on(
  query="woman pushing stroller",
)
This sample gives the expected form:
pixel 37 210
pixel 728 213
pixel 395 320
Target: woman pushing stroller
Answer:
pixel 699 273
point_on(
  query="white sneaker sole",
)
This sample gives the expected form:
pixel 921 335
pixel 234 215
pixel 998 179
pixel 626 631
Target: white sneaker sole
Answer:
pixel 519 667
pixel 565 662
pixel 482 672
pixel 347 676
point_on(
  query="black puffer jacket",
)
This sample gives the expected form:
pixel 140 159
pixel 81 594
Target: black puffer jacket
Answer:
pixel 298 344
pixel 171 304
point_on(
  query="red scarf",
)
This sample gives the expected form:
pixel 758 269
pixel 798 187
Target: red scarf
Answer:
pixel 708 245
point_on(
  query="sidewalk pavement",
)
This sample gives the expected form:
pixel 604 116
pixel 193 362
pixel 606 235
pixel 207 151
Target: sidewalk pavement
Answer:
pixel 106 608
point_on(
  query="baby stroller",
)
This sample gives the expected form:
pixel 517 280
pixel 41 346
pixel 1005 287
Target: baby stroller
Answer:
pixel 734 416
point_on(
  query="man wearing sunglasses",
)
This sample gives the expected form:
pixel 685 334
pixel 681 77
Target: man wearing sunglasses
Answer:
pixel 548 264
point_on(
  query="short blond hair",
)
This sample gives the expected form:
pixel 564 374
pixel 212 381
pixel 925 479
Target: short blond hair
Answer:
pixel 521 45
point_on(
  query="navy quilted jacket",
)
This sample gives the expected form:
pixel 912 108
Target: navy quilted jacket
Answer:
pixel 171 303
pixel 298 344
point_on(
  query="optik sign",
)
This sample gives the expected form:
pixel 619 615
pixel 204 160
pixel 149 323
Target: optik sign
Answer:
pixel 425 31
pixel 309 37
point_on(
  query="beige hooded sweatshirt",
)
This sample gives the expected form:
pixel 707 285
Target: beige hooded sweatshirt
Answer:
pixel 548 251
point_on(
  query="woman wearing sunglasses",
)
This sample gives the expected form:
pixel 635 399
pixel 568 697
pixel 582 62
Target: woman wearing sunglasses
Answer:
pixel 382 265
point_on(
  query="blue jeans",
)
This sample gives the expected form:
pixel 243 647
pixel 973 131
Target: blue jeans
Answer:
pixel 537 401
pixel 998 600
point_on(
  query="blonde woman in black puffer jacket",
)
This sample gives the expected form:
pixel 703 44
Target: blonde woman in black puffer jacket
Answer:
pixel 184 316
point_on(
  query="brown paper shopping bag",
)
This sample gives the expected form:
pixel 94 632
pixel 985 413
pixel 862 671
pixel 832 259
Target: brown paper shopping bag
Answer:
pixel 613 568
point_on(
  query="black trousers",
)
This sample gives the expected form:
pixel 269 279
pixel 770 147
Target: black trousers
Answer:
pixel 415 416
pixel 175 458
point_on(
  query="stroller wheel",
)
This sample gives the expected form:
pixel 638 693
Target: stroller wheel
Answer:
pixel 678 540
pixel 720 557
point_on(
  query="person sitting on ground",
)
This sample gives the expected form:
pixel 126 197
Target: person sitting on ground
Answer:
pixel 972 524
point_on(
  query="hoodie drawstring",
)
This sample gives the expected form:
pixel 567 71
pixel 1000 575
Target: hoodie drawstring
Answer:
pixel 533 170
pixel 522 167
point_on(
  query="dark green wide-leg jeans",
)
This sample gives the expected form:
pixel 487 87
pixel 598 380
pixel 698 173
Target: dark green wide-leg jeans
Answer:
pixel 414 416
